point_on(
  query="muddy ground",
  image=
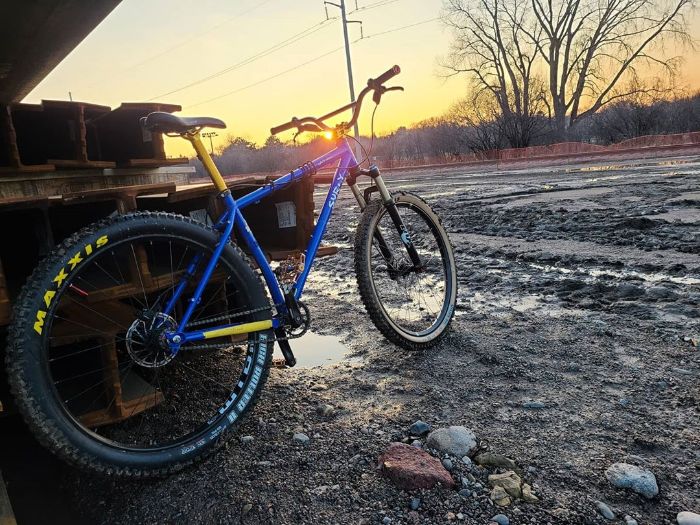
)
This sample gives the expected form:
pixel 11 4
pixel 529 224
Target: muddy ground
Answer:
pixel 579 291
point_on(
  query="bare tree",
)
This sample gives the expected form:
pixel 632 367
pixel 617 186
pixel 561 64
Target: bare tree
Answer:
pixel 497 43
pixel 478 119
pixel 592 51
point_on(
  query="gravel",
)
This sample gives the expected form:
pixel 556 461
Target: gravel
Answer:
pixel 542 315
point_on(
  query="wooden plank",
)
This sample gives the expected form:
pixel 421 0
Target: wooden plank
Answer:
pixel 280 254
pixel 153 163
pixel 82 164
pixel 5 304
pixel 7 517
pixel 118 192
pixel 32 201
pixel 32 168
pixel 203 189
pixel 138 396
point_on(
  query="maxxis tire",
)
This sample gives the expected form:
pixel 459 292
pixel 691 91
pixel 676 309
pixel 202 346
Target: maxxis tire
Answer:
pixel 28 376
pixel 363 245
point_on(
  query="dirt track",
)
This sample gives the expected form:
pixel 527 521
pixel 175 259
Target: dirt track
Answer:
pixel 580 291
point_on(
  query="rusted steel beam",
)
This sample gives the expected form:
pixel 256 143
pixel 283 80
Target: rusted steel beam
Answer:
pixel 10 158
pixel 56 133
pixel 124 141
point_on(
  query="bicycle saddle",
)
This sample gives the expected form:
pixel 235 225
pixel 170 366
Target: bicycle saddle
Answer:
pixel 161 122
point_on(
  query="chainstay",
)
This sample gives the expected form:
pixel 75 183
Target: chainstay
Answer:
pixel 224 317
pixel 214 346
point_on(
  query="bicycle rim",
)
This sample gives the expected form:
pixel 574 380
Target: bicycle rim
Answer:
pixel 414 302
pixel 113 377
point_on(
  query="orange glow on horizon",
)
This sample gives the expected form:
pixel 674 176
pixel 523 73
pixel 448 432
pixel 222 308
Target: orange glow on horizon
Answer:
pixel 251 64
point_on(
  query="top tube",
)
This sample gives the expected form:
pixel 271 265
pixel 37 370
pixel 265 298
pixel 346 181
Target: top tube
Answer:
pixel 341 150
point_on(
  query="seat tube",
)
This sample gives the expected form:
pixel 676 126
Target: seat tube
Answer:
pixel 207 161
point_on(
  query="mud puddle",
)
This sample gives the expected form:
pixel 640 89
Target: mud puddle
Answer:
pixel 312 350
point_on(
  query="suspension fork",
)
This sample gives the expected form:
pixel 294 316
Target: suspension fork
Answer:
pixel 392 210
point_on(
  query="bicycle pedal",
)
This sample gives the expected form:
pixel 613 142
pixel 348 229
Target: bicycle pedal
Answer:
pixel 286 348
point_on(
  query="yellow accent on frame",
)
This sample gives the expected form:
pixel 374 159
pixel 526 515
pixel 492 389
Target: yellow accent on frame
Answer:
pixel 238 329
pixel 206 159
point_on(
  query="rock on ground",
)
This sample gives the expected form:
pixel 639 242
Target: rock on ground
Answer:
pixel 605 510
pixel 301 438
pixel 489 459
pixel 501 519
pixel 688 518
pixel 411 468
pixel 510 482
pixel 637 479
pixel 455 440
pixel 419 428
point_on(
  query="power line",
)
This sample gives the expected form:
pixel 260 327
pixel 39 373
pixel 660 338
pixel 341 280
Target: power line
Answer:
pixel 380 3
pixel 280 45
pixel 402 27
pixel 298 66
pixel 319 57
pixel 182 43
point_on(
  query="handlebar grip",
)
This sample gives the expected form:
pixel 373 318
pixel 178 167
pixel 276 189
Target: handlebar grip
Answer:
pixel 284 127
pixel 391 73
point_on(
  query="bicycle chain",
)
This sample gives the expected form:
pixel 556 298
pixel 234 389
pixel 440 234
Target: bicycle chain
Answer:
pixel 225 317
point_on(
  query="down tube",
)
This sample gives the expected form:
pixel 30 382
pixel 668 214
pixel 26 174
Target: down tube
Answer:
pixel 341 172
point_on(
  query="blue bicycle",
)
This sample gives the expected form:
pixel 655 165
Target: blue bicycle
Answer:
pixel 128 351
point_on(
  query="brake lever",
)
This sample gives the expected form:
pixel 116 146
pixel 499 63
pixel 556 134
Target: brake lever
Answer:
pixel 312 128
pixel 377 95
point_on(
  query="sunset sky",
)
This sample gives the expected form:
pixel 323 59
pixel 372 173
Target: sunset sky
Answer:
pixel 144 50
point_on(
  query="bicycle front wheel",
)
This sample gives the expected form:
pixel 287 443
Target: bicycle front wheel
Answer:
pixel 89 363
pixel 412 307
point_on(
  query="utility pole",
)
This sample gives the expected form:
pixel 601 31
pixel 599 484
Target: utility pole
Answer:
pixel 344 18
pixel 210 135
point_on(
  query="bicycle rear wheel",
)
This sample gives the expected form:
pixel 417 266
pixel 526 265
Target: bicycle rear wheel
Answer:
pixel 87 358
pixel 412 308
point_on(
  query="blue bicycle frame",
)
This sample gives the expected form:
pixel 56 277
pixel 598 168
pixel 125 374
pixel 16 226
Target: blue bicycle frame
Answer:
pixel 344 159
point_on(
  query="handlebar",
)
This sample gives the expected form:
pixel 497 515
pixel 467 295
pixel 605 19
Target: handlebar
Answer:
pixel 314 124
pixel 387 75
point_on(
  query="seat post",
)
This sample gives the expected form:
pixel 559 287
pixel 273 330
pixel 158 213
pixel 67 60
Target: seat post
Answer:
pixel 206 159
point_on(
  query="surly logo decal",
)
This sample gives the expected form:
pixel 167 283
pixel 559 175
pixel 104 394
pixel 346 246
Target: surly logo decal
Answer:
pixel 61 276
pixel 334 194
